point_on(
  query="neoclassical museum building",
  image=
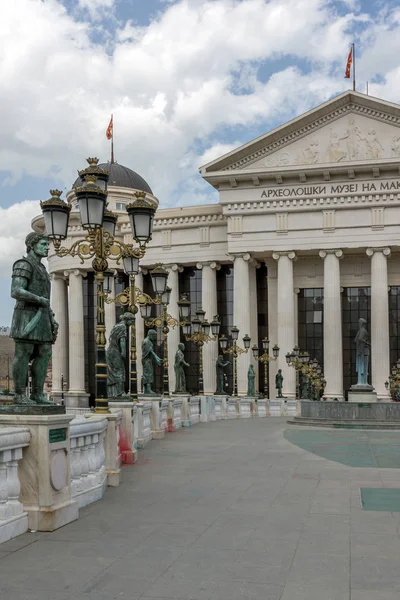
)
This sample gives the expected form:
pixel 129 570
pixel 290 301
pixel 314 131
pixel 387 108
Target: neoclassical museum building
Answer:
pixel 304 241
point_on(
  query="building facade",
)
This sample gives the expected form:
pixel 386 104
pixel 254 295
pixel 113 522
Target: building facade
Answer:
pixel 305 240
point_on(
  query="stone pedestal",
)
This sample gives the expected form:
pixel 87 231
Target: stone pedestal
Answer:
pixel 194 409
pixel 44 470
pixel 175 418
pixel 186 421
pixel 275 407
pixel 220 407
pixel 76 399
pixel 126 434
pixel 113 458
pixel 245 407
pixel 291 408
pixel 362 393
pixel 231 408
pixel 262 407
pixel 143 423
pixel 157 430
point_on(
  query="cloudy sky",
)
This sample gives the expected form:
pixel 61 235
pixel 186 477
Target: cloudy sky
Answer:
pixel 187 80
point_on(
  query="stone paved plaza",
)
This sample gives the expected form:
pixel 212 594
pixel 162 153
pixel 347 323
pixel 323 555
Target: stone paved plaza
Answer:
pixel 225 511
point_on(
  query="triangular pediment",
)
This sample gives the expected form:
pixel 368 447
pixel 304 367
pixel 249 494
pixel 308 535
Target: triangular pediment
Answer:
pixel 350 128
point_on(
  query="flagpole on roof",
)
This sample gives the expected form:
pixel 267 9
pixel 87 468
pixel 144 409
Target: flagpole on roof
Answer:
pixel 354 67
pixel 112 141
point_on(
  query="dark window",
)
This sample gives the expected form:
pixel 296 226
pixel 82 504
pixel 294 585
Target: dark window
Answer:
pixel 356 304
pixel 190 284
pixel 394 329
pixel 225 309
pixel 262 318
pixel 89 325
pixel 311 322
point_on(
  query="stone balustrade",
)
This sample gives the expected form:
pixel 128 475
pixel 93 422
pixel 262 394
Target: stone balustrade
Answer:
pixel 88 460
pixel 97 444
pixel 144 434
pixel 13 519
pixel 194 409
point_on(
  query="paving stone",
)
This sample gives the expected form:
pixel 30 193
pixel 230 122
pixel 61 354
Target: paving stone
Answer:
pixel 374 545
pixel 373 595
pixel 377 574
pixel 226 510
pixel 314 592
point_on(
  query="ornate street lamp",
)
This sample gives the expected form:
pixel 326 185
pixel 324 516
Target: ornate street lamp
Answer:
pixel 265 358
pixel 99 245
pixel 198 332
pixel 235 350
pixel 56 216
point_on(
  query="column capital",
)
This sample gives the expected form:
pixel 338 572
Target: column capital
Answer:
pixel 336 251
pixel 245 255
pixel 174 267
pixel 75 272
pixel 212 264
pixel 385 251
pixel 291 255
pixel 58 275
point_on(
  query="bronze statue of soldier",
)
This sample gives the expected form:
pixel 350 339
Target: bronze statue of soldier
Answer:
pixel 34 328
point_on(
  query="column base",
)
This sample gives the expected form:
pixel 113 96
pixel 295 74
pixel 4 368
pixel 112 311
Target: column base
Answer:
pixel 76 399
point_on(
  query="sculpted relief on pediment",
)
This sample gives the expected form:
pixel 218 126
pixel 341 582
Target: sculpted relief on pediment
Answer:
pixel 350 138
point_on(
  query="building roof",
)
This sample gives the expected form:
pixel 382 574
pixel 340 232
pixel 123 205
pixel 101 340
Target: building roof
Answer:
pixel 121 176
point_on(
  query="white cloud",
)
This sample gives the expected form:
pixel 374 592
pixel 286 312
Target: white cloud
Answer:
pixel 15 224
pixel 200 68
pixel 97 9
pixel 193 72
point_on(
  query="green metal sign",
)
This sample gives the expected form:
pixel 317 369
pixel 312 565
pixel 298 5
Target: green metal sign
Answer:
pixel 57 435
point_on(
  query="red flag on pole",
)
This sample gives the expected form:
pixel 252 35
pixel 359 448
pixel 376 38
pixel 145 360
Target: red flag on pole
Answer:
pixel 109 132
pixel 349 63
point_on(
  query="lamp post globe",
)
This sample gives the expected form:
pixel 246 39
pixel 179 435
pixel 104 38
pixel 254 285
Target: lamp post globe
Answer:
pixel 141 215
pixel 56 216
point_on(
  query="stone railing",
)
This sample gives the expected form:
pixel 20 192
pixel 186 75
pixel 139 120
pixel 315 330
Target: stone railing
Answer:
pixel 94 447
pixel 13 519
pixel 88 459
pixel 144 434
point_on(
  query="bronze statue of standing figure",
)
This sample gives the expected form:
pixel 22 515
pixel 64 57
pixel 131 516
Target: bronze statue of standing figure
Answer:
pixel 251 378
pixel 148 359
pixel 179 367
pixel 221 366
pixel 362 352
pixel 116 356
pixel 279 383
pixel 34 328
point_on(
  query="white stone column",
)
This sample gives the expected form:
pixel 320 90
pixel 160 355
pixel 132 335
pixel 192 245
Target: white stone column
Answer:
pixel 241 314
pixel 174 332
pixel 209 304
pixel 139 336
pixel 272 322
pixel 380 367
pixel 254 314
pixel 59 304
pixel 286 333
pixel 110 313
pixel 76 383
pixel 333 345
